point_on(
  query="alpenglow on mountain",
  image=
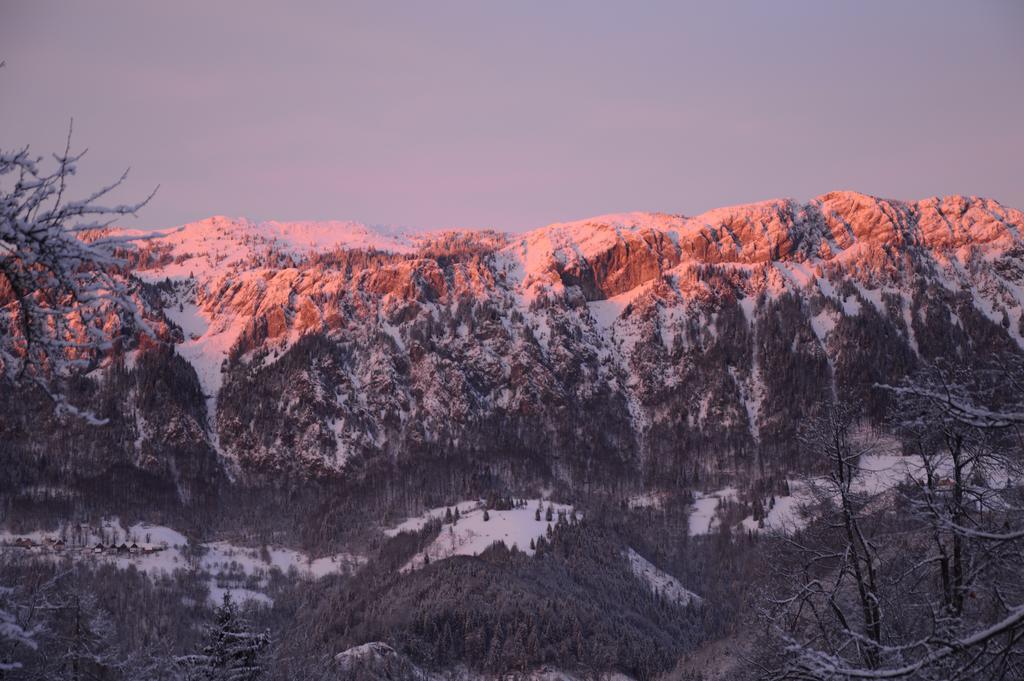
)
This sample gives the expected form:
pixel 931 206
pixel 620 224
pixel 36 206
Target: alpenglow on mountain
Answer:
pixel 621 351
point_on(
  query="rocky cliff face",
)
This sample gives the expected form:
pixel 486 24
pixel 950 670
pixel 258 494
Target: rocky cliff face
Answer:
pixel 612 351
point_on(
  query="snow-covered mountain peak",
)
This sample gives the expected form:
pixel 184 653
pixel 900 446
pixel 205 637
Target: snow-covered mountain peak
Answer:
pixel 839 223
pixel 768 246
pixel 658 325
pixel 221 243
pixel 298 236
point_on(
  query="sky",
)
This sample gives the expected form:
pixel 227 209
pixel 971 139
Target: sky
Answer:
pixel 514 115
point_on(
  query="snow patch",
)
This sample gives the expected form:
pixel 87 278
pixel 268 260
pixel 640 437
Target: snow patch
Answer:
pixel 472 535
pixel 160 550
pixel 660 581
pixel 704 511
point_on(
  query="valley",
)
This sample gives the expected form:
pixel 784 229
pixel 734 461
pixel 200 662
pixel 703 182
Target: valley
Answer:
pixel 591 448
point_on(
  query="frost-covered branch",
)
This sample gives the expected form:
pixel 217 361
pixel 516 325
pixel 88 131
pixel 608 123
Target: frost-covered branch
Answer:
pixel 12 631
pixel 946 391
pixel 922 582
pixel 823 666
pixel 60 285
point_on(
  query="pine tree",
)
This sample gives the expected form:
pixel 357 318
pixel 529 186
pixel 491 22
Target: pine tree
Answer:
pixel 448 518
pixel 12 634
pixel 85 637
pixel 536 515
pixel 232 652
pixel 487 516
pixel 549 515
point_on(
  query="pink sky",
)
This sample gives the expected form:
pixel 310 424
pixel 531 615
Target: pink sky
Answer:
pixel 514 115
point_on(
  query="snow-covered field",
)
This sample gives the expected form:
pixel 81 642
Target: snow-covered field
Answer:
pixel 704 512
pixel 877 474
pixel 241 570
pixel 472 535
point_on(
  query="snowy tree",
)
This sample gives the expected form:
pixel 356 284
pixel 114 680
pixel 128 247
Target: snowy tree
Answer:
pixel 841 572
pixel 85 637
pixel 30 615
pixel 932 590
pixel 153 662
pixel 232 653
pixel 70 635
pixel 59 278
pixel 12 634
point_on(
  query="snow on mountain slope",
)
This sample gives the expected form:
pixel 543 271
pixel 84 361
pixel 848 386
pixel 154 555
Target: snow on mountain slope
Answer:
pixel 209 247
pixel 225 250
pixel 876 475
pixel 530 259
pixel 163 550
pixel 472 534
pixel 833 226
pixel 661 328
pixel 217 254
pixel 704 511
pixel 660 581
pixel 417 523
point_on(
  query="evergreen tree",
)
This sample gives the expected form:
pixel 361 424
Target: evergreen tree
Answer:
pixel 84 637
pixel 232 652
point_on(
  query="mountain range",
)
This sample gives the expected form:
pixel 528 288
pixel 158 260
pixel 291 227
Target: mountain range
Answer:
pixel 617 353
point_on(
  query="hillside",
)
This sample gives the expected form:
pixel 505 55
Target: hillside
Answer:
pixel 626 352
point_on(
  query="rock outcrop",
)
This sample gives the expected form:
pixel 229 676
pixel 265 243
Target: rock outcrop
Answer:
pixel 616 351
